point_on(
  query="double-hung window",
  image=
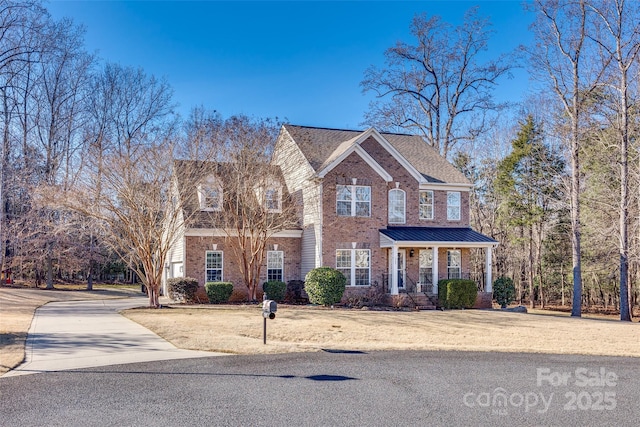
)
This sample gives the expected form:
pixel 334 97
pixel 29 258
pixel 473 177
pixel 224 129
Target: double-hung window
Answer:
pixel 213 266
pixel 454 264
pixel 397 206
pixel 273 199
pixel 453 205
pixel 275 266
pixel 353 200
pixel 426 204
pixel 210 195
pixel 355 265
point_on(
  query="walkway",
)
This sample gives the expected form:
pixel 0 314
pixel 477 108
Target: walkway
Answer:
pixel 83 334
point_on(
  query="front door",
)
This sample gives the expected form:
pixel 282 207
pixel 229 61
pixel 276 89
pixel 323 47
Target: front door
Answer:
pixel 402 271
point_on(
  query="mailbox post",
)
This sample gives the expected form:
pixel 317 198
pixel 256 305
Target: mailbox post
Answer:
pixel 269 308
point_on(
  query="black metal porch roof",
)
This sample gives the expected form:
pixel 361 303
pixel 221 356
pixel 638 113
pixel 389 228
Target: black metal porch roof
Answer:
pixel 436 234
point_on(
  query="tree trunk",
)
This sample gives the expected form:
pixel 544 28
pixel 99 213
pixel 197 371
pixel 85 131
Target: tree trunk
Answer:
pixel 49 268
pixel 532 300
pixel 90 277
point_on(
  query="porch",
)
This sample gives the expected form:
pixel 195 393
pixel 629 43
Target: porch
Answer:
pixel 418 257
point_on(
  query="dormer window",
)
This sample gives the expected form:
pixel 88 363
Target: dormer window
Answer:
pixel 270 196
pixel 210 195
pixel 273 199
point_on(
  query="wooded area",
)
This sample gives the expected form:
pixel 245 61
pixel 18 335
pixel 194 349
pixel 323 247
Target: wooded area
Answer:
pixel 88 146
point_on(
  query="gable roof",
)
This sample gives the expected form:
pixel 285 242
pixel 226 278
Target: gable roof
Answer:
pixel 320 146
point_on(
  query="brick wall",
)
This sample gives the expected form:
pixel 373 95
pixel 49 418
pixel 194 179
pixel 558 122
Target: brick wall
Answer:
pixel 196 248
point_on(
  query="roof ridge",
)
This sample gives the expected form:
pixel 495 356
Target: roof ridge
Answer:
pixel 349 130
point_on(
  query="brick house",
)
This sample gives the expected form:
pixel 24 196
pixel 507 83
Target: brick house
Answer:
pixel 385 209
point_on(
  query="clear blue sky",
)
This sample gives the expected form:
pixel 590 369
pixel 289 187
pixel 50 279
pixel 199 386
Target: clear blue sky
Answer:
pixel 297 60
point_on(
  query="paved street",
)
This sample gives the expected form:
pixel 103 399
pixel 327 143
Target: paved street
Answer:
pixel 349 388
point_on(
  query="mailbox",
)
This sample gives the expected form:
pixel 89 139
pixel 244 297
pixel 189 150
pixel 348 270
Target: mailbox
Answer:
pixel 269 308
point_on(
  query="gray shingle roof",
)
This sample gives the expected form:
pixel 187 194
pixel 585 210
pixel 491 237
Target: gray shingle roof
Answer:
pixel 318 145
pixel 436 234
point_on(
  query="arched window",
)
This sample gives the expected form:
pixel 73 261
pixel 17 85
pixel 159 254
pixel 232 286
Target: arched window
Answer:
pixel 397 206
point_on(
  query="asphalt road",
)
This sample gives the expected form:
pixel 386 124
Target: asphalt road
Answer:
pixel 341 389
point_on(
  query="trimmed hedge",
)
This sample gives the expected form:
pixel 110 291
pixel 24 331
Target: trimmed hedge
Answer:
pixel 503 291
pixel 218 292
pixel 325 285
pixel 457 293
pixel 182 289
pixel 275 289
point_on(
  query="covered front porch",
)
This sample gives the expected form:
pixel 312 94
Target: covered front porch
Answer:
pixel 418 257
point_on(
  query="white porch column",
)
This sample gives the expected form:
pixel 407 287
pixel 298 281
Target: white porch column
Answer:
pixel 488 287
pixel 434 270
pixel 394 270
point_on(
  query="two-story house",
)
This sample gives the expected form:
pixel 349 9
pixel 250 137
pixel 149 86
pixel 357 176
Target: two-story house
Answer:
pixel 382 208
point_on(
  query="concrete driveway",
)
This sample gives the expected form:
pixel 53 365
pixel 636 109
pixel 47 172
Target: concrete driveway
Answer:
pixel 83 334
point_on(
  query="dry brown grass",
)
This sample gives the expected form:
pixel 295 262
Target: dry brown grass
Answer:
pixel 17 306
pixel 238 329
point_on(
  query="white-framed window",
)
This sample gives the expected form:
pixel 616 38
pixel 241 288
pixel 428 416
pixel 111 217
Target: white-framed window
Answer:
pixel 397 206
pixel 454 264
pixel 355 265
pixel 210 195
pixel 273 199
pixel 353 200
pixel 426 266
pixel 426 204
pixel 453 205
pixel 213 266
pixel 275 266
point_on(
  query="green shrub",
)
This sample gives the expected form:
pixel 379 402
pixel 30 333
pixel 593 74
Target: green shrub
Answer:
pixel 457 293
pixel 503 291
pixel 218 292
pixel 325 285
pixel 182 289
pixel 274 289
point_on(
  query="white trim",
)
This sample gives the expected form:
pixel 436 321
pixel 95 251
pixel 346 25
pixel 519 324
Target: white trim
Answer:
pixel 319 231
pixel 355 142
pixel 218 232
pixel 448 187
pixel 459 206
pixel 393 289
pixel 488 287
pixel 435 272
pixel 206 253
pixel 275 250
pixel 364 155
pixel 404 205
pixel 432 205
pixel 392 150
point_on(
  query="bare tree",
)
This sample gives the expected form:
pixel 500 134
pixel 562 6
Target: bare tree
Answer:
pixel 618 35
pixel 437 88
pixel 560 57
pixel 256 204
pixel 126 180
pixel 21 26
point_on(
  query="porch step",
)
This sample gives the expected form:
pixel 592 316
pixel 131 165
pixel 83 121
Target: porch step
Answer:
pixel 419 301
pixel 422 302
